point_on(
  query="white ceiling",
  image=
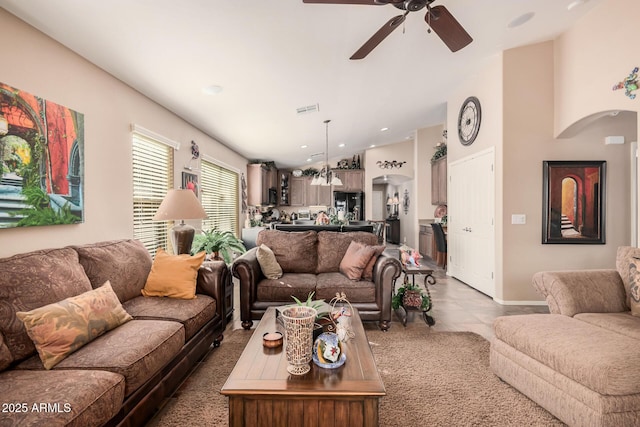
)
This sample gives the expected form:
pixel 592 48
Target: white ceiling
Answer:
pixel 273 56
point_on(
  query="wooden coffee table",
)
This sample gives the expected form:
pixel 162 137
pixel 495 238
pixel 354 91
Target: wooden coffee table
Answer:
pixel 262 393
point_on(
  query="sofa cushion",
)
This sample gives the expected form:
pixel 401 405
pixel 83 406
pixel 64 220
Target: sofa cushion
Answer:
pixel 193 314
pixel 173 276
pixel 31 280
pixel 356 291
pixel 5 354
pixel 601 360
pixel 333 245
pixel 124 263
pixel 296 252
pixel 633 290
pixel 268 262
pixel 74 398
pixel 367 273
pixel 623 261
pixel 620 323
pixel 290 285
pixel 355 260
pixel 136 350
pixel 61 328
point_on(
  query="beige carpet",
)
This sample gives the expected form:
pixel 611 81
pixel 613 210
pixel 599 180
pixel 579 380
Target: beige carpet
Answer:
pixel 431 378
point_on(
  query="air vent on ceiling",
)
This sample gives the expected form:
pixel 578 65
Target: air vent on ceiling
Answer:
pixel 308 109
pixel 317 154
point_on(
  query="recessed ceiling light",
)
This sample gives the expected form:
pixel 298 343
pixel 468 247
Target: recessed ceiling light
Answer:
pixel 309 159
pixel 372 146
pixel 522 19
pixel 341 145
pixel 212 90
pixel 304 146
pixel 384 129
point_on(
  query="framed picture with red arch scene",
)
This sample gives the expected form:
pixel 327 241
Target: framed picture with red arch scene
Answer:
pixel 573 202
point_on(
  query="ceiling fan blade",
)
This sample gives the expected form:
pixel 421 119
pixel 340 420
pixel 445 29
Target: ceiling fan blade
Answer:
pixel 380 35
pixel 369 2
pixel 447 28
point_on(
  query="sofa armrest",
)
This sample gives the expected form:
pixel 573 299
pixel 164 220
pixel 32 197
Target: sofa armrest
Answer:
pixel 213 277
pixel 247 270
pixel 385 272
pixel 582 291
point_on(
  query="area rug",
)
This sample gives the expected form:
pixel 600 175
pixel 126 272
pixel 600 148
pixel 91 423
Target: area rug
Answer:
pixel 431 378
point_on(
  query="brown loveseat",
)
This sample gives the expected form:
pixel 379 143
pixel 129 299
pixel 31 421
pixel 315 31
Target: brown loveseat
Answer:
pixel 582 361
pixel 121 377
pixel 310 262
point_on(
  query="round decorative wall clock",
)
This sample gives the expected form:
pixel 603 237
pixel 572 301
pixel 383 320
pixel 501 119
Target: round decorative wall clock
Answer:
pixel 469 120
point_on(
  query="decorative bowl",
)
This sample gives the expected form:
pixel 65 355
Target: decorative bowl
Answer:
pixel 328 342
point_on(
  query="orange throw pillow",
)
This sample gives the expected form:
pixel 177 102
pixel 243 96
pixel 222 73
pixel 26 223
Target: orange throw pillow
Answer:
pixel 355 260
pixel 173 276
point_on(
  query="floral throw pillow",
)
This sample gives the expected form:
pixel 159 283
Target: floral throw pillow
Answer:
pixel 59 329
pixel 633 290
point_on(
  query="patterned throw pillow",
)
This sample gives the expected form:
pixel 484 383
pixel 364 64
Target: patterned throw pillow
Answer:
pixel 173 276
pixel 268 262
pixel 633 290
pixel 356 259
pixel 59 329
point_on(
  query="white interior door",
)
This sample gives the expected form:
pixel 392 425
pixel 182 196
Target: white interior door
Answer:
pixel 471 222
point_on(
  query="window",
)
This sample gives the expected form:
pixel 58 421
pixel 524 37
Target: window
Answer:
pixel 152 178
pixel 219 194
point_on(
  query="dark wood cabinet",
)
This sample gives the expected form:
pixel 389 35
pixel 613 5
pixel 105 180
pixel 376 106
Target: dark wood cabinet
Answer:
pixel 318 195
pixel 439 181
pixel 393 230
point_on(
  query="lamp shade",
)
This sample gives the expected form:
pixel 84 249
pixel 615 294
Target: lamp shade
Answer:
pixel 179 205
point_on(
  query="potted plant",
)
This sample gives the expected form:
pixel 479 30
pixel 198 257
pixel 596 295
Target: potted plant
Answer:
pixel 215 243
pixel 410 295
pixel 322 317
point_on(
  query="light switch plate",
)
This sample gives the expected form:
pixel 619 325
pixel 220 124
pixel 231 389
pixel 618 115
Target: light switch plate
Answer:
pixel 518 219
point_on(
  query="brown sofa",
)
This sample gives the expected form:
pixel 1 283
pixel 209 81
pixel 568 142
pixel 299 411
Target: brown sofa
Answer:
pixel 121 377
pixel 310 262
pixel 582 361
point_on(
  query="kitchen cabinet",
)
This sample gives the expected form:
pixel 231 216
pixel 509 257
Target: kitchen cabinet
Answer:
pixel 439 181
pixel 298 191
pixel 284 190
pixel 426 242
pixel 352 180
pixel 262 183
pixel 317 195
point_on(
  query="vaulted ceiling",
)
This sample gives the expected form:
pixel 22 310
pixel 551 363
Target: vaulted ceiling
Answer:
pixel 239 70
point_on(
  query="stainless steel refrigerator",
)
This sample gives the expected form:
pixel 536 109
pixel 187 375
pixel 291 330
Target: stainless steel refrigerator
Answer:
pixel 350 203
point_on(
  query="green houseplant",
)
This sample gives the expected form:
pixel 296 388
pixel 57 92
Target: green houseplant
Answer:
pixel 216 243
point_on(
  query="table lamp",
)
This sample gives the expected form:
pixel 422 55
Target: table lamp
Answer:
pixel 180 205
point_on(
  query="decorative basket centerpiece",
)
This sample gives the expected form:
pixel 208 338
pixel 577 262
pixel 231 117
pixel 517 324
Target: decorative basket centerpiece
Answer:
pixel 298 325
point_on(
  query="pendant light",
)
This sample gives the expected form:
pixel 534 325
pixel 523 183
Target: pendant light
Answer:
pixel 329 177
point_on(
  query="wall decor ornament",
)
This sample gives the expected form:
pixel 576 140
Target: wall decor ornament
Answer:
pixel 573 202
pixel 41 161
pixel 389 164
pixel 629 84
pixel 405 202
pixel 190 182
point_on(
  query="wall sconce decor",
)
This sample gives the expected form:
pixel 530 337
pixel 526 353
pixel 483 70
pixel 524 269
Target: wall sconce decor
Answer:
pixel 389 164
pixel 405 202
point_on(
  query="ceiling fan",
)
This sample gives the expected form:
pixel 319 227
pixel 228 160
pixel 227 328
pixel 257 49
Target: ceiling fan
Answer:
pixel 438 18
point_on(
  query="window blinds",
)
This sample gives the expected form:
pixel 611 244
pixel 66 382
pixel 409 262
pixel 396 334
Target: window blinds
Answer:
pixel 219 197
pixel 152 178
